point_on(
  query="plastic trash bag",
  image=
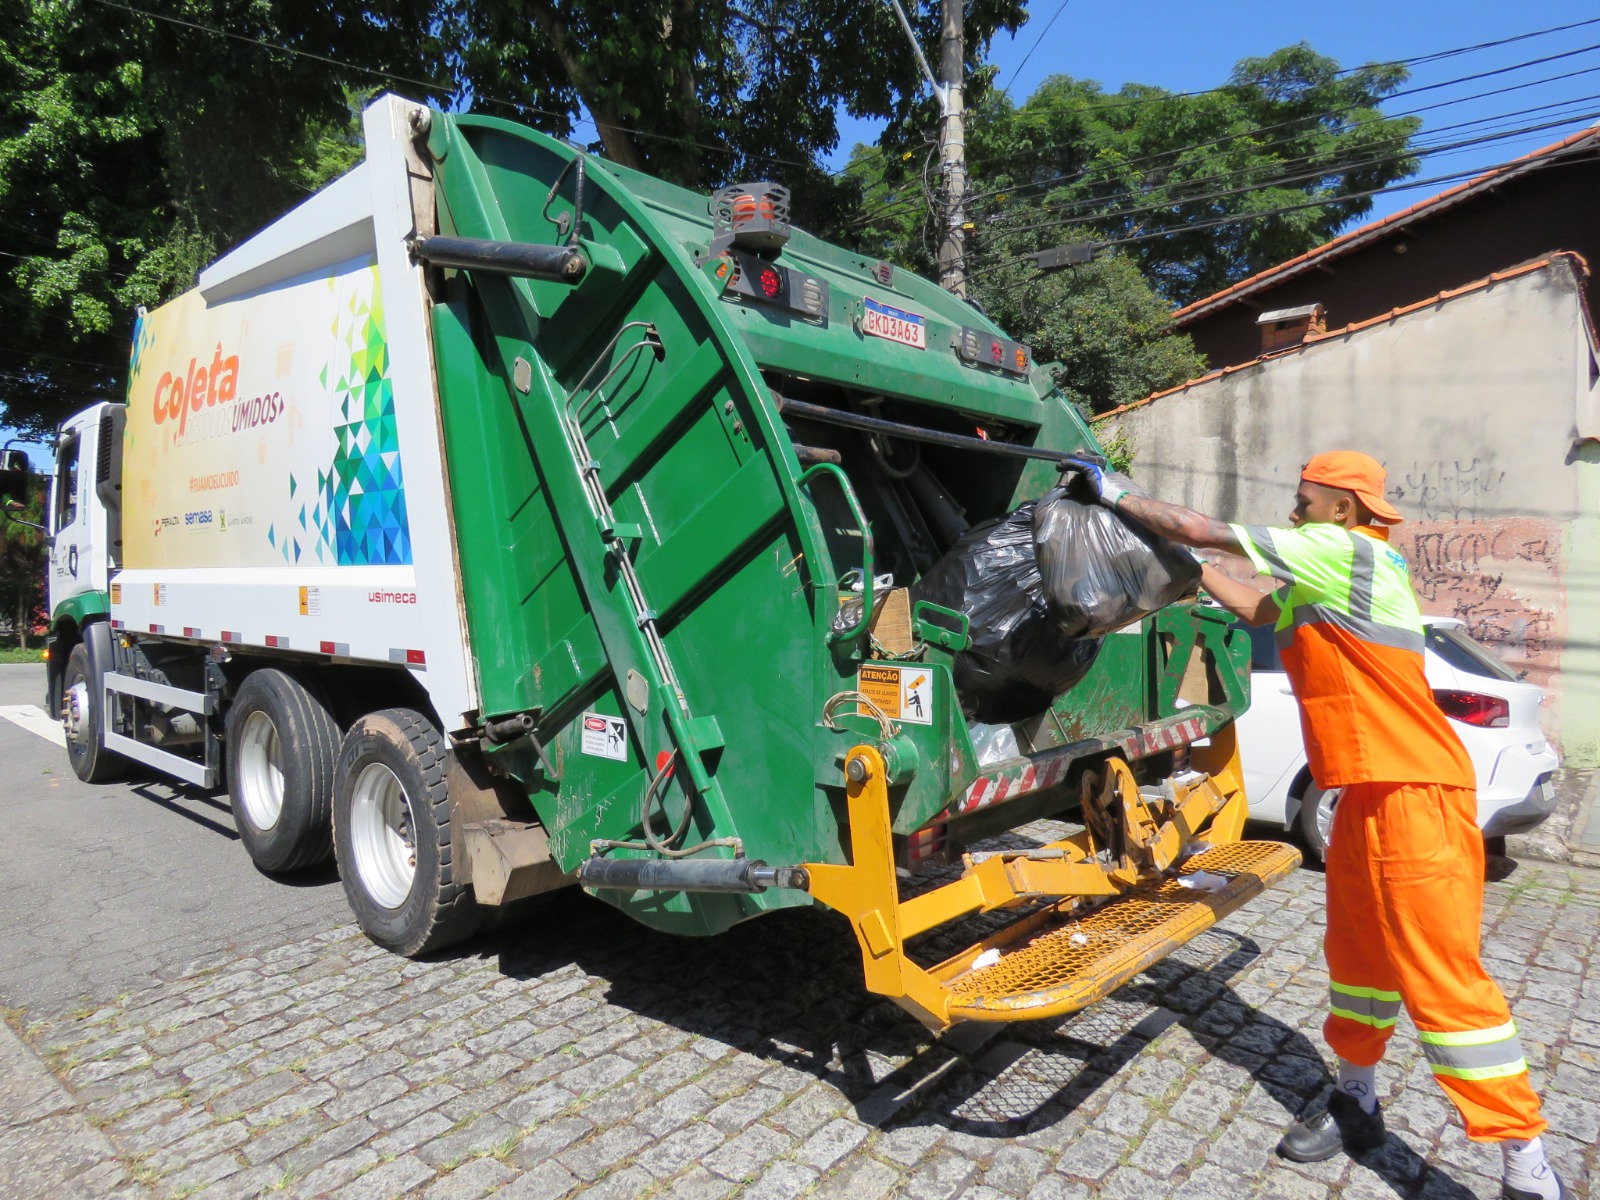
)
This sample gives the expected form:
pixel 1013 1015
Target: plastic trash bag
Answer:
pixel 993 743
pixel 1100 571
pixel 1020 659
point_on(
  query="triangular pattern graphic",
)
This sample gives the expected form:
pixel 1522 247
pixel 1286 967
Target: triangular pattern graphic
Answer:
pixel 359 515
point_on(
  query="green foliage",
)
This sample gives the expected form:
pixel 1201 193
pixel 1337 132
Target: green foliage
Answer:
pixel 133 150
pixel 1074 164
pixel 22 563
pixel 1110 333
pixel 704 95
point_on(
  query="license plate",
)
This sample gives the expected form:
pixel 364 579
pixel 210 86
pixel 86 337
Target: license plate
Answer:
pixel 894 324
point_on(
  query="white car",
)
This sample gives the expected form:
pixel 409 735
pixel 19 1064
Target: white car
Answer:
pixel 1491 708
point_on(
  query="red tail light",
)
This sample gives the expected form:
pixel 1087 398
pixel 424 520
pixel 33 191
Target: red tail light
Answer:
pixel 1474 708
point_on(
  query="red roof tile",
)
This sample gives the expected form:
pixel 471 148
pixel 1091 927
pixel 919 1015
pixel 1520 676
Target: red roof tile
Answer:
pixel 1381 228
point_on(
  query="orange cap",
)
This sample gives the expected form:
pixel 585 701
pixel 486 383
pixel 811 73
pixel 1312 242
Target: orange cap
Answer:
pixel 1354 472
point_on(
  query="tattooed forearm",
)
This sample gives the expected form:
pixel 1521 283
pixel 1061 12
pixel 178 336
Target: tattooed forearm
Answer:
pixel 1179 524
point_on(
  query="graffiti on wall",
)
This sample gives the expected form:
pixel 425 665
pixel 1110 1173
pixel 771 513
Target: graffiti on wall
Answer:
pixel 1500 576
pixel 1454 490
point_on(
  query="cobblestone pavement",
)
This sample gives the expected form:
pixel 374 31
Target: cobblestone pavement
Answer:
pixel 571 1052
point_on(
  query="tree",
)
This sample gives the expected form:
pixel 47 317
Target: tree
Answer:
pixel 1281 143
pixel 1105 330
pixel 22 563
pixel 1109 332
pixel 136 145
pixel 134 148
pixel 1073 164
pixel 705 94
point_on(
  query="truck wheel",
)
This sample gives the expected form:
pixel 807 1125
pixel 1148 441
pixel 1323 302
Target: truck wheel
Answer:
pixel 282 748
pixel 391 832
pixel 1315 819
pixel 82 711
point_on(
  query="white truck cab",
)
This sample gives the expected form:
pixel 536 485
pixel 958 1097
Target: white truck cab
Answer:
pixel 83 521
pixel 84 518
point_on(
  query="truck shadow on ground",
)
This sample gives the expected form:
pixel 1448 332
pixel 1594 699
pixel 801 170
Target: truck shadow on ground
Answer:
pixel 788 989
pixel 211 810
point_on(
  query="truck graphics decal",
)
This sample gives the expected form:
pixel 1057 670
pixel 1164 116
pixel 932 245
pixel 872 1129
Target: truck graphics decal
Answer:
pixel 279 406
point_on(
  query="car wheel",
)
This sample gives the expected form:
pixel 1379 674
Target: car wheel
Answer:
pixel 1315 818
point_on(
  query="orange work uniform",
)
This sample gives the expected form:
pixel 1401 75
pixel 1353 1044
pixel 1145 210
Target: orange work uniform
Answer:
pixel 1405 858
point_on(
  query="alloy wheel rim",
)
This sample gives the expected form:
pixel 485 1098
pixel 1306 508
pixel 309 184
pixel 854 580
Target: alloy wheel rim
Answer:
pixel 1325 814
pixel 261 770
pixel 382 835
pixel 73 710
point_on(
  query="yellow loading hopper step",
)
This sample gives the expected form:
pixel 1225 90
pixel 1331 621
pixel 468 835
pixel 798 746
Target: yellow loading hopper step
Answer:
pixel 1050 966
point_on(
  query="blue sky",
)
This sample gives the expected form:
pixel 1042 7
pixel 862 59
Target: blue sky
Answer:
pixel 1191 46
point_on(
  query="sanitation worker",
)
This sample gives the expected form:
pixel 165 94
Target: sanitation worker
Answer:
pixel 1405 860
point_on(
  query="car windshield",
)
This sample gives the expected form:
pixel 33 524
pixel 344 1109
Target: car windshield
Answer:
pixel 1451 643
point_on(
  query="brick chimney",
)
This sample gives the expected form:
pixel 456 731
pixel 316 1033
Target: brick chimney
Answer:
pixel 1287 327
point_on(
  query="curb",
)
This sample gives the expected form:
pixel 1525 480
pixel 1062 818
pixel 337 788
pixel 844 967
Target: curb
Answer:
pixel 1570 836
pixel 1585 836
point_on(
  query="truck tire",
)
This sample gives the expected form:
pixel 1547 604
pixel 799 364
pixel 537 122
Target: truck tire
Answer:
pixel 1315 818
pixel 282 749
pixel 391 833
pixel 83 709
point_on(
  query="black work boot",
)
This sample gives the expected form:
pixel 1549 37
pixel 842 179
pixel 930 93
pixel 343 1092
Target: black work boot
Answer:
pixel 1342 1125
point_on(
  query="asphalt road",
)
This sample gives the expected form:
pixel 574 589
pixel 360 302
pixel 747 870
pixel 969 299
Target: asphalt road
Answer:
pixel 106 889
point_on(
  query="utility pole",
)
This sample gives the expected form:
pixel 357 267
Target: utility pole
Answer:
pixel 953 150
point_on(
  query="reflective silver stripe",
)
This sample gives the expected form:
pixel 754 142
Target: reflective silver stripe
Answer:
pixel 1360 1005
pixel 1361 578
pixel 1261 535
pixel 1507 1052
pixel 1368 630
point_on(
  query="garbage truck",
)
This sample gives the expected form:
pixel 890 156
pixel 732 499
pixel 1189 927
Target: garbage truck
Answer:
pixel 502 519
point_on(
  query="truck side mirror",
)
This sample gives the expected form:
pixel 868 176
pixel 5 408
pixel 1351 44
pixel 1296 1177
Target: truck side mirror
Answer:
pixel 14 472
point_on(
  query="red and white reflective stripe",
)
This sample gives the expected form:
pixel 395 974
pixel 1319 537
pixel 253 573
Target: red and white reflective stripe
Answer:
pixel 340 648
pixel 408 658
pixel 230 636
pixel 116 624
pixel 1039 775
pixel 924 844
pixel 158 629
pixel 277 642
pixel 191 631
pixel 992 789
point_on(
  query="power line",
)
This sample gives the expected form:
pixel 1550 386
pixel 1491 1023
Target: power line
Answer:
pixel 1024 187
pixel 444 89
pixel 1166 97
pixel 1418 149
pixel 1286 181
pixel 1306 120
pixel 1264 214
pixel 1060 8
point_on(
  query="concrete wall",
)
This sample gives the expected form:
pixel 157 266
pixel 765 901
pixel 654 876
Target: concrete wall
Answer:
pixel 1478 407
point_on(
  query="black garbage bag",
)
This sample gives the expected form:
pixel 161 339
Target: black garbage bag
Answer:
pixel 1100 571
pixel 1020 659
